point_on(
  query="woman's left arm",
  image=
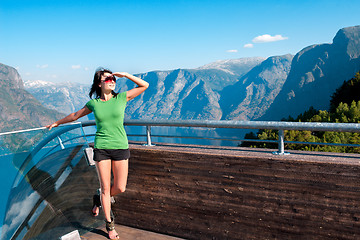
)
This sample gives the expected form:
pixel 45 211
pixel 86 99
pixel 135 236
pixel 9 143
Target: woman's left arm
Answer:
pixel 142 85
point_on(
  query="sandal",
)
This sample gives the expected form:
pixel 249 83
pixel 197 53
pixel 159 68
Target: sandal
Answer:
pixel 110 226
pixel 96 204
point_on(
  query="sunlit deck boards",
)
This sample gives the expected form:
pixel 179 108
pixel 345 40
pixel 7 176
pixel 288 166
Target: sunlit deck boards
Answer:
pixel 127 233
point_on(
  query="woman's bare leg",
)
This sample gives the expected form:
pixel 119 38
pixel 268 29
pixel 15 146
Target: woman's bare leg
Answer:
pixel 120 171
pixel 104 171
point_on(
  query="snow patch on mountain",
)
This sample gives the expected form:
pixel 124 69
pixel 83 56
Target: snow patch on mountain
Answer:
pixel 231 65
pixel 38 84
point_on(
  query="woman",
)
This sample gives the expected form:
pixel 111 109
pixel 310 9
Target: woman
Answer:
pixel 111 150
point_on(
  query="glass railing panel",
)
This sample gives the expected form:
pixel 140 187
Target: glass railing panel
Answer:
pixel 46 184
pixel 14 148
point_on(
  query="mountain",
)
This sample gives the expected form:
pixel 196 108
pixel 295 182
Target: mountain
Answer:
pixel 178 94
pixel 316 72
pixel 252 95
pixel 18 108
pixel 235 67
pixel 186 93
pixel 64 97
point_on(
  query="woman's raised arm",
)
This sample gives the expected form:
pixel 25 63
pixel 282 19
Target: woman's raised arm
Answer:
pixel 142 85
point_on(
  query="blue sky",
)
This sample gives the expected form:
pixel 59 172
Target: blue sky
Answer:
pixel 67 40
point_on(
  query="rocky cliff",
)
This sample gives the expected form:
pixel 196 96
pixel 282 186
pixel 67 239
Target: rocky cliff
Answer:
pixel 178 94
pixel 252 95
pixel 18 108
pixel 316 72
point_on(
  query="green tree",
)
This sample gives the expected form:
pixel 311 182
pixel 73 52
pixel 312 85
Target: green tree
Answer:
pixel 344 108
pixel 346 93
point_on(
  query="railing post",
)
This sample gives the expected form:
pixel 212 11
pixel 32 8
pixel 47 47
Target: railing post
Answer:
pixel 60 142
pixel 148 136
pixel 281 147
pixel 281 141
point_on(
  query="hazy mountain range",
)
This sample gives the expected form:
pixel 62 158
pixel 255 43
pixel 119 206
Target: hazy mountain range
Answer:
pixel 65 97
pixel 239 89
pixel 171 95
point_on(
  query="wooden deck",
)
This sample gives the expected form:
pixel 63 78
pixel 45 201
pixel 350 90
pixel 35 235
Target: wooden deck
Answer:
pixel 127 233
pixel 208 192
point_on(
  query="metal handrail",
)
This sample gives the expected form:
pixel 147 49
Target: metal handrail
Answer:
pixel 275 125
pixel 31 129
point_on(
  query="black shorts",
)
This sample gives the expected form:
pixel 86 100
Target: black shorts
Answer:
pixel 112 154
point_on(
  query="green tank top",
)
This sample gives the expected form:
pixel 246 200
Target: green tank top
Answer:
pixel 109 118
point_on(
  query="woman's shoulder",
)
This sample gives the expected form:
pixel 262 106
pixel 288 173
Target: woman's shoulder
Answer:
pixel 121 95
pixel 91 102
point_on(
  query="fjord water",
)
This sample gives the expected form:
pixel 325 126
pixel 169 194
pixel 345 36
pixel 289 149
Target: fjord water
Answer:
pixel 7 176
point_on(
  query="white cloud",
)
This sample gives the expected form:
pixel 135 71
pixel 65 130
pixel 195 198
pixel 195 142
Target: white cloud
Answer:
pixel 232 51
pixel 249 45
pixel 75 66
pixel 268 38
pixel 42 66
pixel 19 210
pixel 86 69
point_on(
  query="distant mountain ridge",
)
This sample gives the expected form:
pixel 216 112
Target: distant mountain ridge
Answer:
pixel 210 93
pixel 234 66
pixel 178 94
pixel 173 94
pixel 186 93
pixel 66 97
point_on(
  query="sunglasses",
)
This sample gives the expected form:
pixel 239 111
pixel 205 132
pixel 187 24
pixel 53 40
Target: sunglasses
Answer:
pixel 109 79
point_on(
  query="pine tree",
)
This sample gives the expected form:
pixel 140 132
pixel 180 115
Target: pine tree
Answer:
pixel 348 92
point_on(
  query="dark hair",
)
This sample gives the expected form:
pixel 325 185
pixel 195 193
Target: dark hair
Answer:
pixel 95 89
